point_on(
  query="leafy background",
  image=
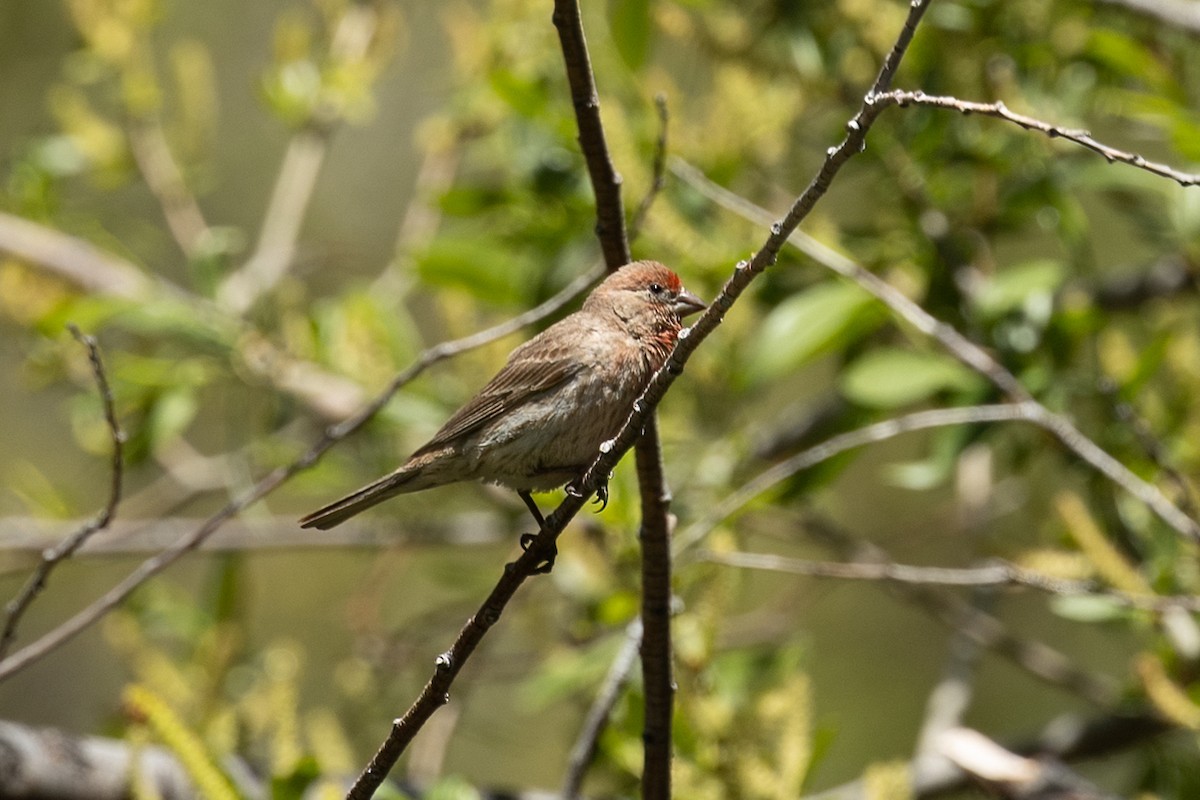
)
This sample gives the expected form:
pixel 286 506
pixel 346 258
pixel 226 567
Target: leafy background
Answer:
pixel 451 195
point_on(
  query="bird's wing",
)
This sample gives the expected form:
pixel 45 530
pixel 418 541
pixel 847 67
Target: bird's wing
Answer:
pixel 530 371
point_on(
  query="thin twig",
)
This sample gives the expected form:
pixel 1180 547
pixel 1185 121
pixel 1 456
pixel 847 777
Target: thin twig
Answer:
pixel 969 353
pixel 841 443
pixel 998 573
pixel 274 479
pixel 435 694
pixel 658 169
pixel 53 556
pixel 586 743
pixel 1037 658
pixel 1128 417
pixel 1079 137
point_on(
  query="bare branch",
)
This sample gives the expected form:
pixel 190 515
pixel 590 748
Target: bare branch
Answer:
pixel 997 573
pixel 658 169
pixel 584 749
pixel 52 556
pixel 1079 137
pixel 658 672
pixel 276 478
pixel 969 353
pixel 145 536
pixel 610 211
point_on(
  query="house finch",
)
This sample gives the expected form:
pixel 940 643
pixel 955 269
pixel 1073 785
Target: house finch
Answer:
pixel 538 424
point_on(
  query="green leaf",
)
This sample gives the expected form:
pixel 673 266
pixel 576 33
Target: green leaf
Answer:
pixel 452 787
pixel 525 96
pixel 946 444
pixel 629 22
pixel 893 378
pixel 1127 56
pixel 808 324
pixel 1019 285
pixel 482 266
pixel 1089 608
pixel 171 415
pixel 295 784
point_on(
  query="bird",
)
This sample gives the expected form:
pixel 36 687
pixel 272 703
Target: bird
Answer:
pixel 540 422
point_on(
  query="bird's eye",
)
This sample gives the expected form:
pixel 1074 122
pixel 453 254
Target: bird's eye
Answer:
pixel 656 288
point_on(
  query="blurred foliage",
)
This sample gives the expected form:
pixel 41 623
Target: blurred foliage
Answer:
pixel 1078 276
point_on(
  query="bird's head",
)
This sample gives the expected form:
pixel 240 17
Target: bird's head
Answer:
pixel 645 291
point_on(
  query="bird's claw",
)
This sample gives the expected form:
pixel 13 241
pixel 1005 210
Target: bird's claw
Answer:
pixel 601 493
pixel 527 540
pixel 601 497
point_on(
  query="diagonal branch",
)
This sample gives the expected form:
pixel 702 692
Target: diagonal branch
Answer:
pixel 542 545
pixel 53 556
pixel 1080 137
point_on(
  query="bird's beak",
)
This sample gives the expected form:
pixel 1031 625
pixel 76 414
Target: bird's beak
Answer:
pixel 687 303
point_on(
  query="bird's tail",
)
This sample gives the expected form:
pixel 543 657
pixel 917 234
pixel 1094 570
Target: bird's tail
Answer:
pixel 339 511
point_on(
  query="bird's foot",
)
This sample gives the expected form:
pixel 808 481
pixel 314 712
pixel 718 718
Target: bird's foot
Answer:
pixel 601 497
pixel 543 567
